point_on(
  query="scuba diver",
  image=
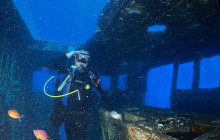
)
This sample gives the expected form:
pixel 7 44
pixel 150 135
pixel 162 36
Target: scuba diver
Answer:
pixel 79 80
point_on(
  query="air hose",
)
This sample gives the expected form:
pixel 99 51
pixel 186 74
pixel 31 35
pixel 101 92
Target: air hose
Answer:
pixel 52 96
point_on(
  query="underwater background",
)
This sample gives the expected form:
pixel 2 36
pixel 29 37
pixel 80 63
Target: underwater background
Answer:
pixel 157 53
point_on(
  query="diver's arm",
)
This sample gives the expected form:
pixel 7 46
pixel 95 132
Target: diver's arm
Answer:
pixel 106 104
pixel 53 66
pixel 70 54
pixel 97 85
pixel 57 116
pixel 104 98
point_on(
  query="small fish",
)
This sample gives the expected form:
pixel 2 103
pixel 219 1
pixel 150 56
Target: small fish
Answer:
pixel 14 114
pixel 41 134
pixel 115 115
pixel 192 128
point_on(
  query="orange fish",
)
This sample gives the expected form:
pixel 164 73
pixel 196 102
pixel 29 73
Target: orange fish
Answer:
pixel 41 135
pixel 14 114
pixel 192 128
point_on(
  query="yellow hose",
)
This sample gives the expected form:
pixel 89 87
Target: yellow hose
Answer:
pixel 58 95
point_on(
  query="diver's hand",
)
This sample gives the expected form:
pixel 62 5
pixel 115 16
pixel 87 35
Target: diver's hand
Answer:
pixel 70 54
pixel 115 115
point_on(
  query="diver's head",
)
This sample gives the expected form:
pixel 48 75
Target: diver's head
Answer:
pixel 82 58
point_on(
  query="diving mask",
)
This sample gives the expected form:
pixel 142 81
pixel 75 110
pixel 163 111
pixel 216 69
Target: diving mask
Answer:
pixel 82 57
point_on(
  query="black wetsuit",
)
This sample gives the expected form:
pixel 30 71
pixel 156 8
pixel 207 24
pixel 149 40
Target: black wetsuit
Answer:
pixel 74 115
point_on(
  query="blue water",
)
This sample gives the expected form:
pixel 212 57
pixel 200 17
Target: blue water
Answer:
pixel 69 21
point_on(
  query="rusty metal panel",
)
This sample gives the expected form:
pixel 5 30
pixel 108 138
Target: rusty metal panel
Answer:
pixel 141 123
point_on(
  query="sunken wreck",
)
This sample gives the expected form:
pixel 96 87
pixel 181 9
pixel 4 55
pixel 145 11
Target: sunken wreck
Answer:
pixel 122 44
